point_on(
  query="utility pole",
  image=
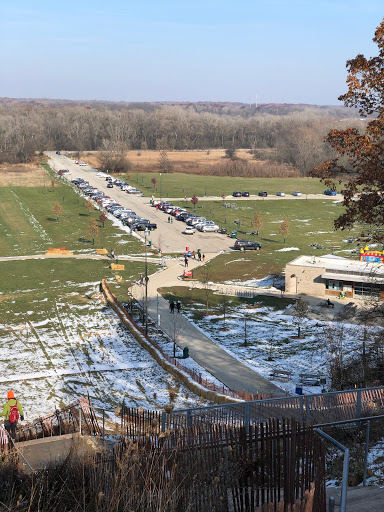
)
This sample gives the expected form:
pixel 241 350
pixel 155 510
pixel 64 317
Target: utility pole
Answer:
pixel 146 233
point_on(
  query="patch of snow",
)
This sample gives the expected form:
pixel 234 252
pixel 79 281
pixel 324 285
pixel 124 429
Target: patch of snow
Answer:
pixel 287 249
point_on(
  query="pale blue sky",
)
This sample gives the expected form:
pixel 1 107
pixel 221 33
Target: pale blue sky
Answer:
pixel 283 51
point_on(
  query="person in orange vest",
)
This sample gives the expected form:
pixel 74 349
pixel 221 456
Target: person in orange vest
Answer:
pixel 12 411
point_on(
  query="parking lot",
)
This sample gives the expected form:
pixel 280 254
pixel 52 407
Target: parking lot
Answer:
pixel 168 236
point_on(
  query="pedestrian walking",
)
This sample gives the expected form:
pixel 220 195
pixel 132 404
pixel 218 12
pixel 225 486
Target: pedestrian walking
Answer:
pixel 199 255
pixel 185 261
pixel 203 257
pixel 141 280
pixel 169 219
pixel 178 306
pixel 12 411
pixel 193 254
pixel 112 254
pixel 172 306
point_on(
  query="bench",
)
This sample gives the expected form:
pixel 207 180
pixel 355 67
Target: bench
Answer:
pixel 311 379
pixel 101 251
pixel 283 375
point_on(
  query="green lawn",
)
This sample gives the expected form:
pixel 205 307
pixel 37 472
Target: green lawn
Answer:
pixel 27 225
pixel 310 222
pixel 25 283
pixel 191 297
pixel 187 185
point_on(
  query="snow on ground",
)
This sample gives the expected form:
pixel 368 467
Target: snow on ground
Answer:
pixel 51 353
pixel 272 341
pixel 273 281
pixel 287 249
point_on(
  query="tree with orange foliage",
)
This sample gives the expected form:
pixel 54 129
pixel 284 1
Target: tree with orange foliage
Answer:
pixel 359 164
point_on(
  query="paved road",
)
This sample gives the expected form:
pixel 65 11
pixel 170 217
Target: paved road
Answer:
pixel 168 237
pixel 204 351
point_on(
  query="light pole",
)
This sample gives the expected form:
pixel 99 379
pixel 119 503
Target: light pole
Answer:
pixel 146 233
pixel 161 183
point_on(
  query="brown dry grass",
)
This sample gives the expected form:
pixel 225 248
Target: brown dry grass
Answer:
pixel 194 162
pixel 23 175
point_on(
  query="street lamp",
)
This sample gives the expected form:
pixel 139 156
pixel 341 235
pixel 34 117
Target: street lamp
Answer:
pixel 161 183
pixel 146 233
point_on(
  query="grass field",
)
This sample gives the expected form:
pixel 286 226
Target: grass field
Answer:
pixel 187 185
pixel 311 232
pixel 182 161
pixel 28 226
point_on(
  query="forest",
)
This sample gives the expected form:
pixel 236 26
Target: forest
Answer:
pixel 289 134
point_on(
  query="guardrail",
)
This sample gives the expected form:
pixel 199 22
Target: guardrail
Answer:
pixel 76 417
pixel 314 409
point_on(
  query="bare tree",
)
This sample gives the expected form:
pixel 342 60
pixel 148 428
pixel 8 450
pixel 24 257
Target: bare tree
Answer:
pixel 176 330
pixel 164 162
pixel 205 279
pixel 224 306
pixel 299 313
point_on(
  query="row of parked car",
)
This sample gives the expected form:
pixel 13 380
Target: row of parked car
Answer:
pixel 192 220
pixel 263 193
pixel 127 216
pixel 114 182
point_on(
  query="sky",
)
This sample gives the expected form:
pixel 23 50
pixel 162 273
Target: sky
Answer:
pixel 259 51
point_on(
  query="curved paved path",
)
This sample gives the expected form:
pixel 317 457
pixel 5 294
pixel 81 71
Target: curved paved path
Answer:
pixel 229 370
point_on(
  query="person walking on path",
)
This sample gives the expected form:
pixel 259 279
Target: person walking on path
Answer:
pixel 112 254
pixel 169 219
pixel 12 411
pixel 172 307
pixel 178 306
pixel 199 254
pixel 185 261
pixel 203 257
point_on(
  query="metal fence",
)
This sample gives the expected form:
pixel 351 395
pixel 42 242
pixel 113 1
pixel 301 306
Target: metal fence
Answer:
pixel 314 409
pixel 76 417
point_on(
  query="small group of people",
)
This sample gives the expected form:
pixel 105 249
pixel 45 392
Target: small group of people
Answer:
pixel 12 411
pixel 201 257
pixel 172 306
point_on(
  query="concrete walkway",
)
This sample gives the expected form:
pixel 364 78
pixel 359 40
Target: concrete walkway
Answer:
pixel 204 351
pixel 51 451
pixel 360 499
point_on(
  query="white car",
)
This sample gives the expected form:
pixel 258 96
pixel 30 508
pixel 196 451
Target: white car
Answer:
pixel 281 194
pixel 297 194
pixel 189 230
pixel 209 227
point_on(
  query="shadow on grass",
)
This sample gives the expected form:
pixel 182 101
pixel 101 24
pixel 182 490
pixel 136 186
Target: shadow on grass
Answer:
pixel 83 215
pixel 84 240
pixel 51 219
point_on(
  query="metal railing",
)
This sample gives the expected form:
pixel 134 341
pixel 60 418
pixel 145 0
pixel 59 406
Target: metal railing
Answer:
pixel 76 417
pixel 315 409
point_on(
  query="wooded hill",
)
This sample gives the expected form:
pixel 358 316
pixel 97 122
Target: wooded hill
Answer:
pixel 290 134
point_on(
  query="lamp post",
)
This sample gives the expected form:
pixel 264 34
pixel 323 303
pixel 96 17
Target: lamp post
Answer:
pixel 146 233
pixel 161 183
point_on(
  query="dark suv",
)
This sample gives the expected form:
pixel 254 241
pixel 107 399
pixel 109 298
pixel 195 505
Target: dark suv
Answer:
pixel 236 194
pixel 247 245
pixel 263 193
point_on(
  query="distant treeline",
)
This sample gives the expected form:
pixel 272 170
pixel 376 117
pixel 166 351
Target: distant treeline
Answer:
pixel 292 137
